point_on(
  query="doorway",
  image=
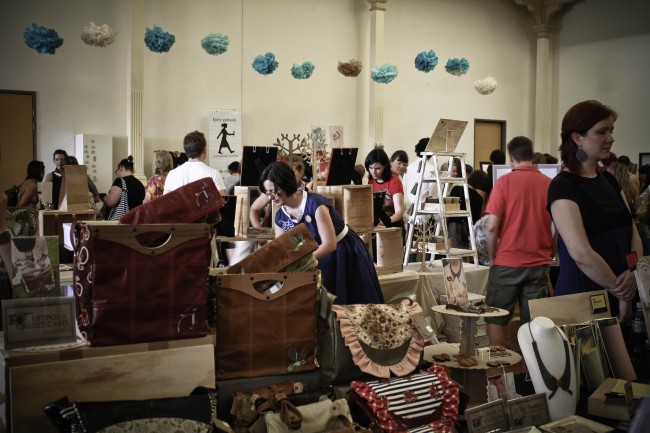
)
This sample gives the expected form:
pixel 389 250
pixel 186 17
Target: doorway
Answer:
pixel 488 135
pixel 17 135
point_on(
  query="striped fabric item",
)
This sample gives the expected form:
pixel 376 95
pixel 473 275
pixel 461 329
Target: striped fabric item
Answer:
pixel 421 403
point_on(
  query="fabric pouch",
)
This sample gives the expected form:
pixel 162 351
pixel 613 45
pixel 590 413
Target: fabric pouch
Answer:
pixel 316 417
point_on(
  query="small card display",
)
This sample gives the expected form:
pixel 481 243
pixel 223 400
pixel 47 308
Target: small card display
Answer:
pixel 455 283
pixel 528 411
pixel 489 417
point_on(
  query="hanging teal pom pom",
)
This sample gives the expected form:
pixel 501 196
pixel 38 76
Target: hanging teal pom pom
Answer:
pixel 265 64
pixel 42 39
pixel 457 67
pixel 302 72
pixel 384 74
pixel 215 44
pixel 158 40
pixel 426 61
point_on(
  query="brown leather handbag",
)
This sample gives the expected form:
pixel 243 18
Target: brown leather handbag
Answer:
pixel 266 324
pixel 127 292
pixel 278 254
pixel 186 204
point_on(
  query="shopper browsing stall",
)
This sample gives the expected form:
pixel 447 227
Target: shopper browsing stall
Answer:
pixel 344 260
pixel 596 230
pixel 382 180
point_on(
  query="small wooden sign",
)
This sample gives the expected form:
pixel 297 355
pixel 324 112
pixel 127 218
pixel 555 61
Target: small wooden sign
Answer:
pixel 528 411
pixel 38 321
pixel 489 417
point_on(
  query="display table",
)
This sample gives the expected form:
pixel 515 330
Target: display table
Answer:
pixel 131 372
pixel 468 325
pixel 426 287
pixel 473 379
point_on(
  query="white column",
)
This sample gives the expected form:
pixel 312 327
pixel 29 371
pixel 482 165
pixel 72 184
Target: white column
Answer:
pixel 376 93
pixel 135 87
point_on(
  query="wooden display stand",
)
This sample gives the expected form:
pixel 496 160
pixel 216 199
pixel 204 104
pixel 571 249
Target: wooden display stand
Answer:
pixel 389 250
pixel 50 222
pixel 354 203
pixel 131 372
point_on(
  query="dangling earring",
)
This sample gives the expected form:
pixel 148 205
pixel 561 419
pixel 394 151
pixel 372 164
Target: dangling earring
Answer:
pixel 581 155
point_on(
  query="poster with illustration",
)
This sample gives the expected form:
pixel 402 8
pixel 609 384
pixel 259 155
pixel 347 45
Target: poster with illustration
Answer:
pixel 35 262
pixel 455 283
pixel 224 139
pixel 336 136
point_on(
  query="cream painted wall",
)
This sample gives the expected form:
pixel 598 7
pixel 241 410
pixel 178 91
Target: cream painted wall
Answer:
pixel 84 89
pixel 604 53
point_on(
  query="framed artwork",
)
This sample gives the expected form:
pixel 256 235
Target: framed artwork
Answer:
pixel 644 159
pixel 35 262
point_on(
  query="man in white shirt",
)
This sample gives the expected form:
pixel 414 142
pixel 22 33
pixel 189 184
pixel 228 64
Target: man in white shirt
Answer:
pixel 195 168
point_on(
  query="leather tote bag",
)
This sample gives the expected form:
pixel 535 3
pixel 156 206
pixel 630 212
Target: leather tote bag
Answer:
pixel 127 292
pixel 266 324
pixel 310 418
pixel 278 254
pixel 187 204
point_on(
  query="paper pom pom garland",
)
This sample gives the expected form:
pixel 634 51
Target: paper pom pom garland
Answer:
pixel 351 68
pixel 265 64
pixel 215 43
pixel 384 74
pixel 302 72
pixel 42 39
pixel 426 61
pixel 457 67
pixel 158 40
pixel 485 86
pixel 98 36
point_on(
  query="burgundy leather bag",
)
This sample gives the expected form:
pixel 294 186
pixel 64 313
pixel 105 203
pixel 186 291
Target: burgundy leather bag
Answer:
pixel 266 324
pixel 127 292
pixel 186 204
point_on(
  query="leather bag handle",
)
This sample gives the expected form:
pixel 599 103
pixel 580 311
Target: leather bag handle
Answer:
pixel 245 283
pixel 178 234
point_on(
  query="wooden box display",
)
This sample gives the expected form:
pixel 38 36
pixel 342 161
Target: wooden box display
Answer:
pixel 353 202
pixel 389 250
pixel 433 204
pixel 50 222
pixel 132 372
pixel 357 207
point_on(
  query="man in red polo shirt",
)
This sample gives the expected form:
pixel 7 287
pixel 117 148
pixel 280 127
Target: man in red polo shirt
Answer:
pixel 519 239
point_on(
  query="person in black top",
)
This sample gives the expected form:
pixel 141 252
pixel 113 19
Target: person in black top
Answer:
pixel 59 158
pixel 126 193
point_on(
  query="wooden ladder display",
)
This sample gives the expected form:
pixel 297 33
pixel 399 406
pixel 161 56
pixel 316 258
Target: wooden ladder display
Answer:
pixel 443 183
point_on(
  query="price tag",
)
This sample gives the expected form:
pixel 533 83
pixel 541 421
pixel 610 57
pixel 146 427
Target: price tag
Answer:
pixel 598 304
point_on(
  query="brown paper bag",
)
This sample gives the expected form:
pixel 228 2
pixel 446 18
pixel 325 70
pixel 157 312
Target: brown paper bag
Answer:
pixel 74 189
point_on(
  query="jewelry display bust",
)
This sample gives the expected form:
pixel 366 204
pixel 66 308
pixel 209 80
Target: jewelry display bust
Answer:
pixel 549 359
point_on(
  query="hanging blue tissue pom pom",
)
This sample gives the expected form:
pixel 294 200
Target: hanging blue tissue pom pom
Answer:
pixel 157 40
pixel 425 61
pixel 214 43
pixel 302 72
pixel 457 67
pixel 384 74
pixel 265 64
pixel 42 39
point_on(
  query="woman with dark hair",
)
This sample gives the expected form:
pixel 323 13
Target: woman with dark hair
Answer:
pixel 126 193
pixel 344 259
pixel 382 180
pixel 398 163
pixel 28 190
pixel 595 227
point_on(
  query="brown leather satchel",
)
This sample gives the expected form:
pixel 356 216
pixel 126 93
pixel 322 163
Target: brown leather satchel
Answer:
pixel 278 254
pixel 127 292
pixel 186 204
pixel 266 324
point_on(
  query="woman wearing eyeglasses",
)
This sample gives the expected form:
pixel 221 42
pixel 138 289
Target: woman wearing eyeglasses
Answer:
pixel 343 258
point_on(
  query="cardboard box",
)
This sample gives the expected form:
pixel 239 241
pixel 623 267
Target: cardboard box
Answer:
pixel 602 405
pixel 136 371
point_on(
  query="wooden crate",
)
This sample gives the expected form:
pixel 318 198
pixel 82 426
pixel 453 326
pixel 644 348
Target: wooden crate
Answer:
pixel 357 207
pixel 334 193
pixel 131 372
pixel 50 222
pixel 390 253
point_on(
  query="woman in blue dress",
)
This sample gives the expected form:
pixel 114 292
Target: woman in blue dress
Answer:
pixel 343 258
